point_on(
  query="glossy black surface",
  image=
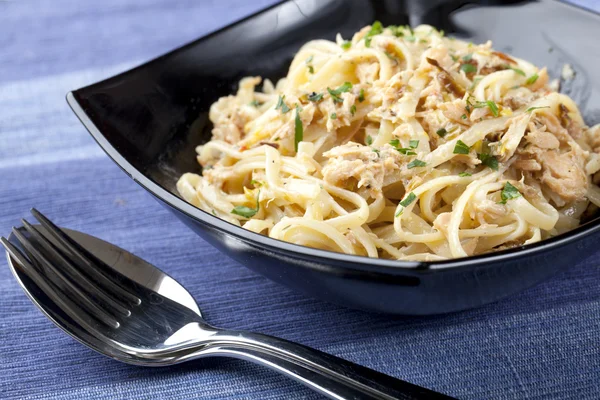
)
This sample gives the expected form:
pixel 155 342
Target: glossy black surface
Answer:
pixel 150 119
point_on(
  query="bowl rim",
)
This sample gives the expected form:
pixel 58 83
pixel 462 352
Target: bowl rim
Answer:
pixel 351 262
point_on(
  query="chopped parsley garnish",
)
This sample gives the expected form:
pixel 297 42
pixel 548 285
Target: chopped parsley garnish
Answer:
pixel 461 148
pixel 314 96
pixel 488 160
pixel 412 144
pixel 353 110
pixel 530 109
pixel 335 94
pixel 464 116
pixel 531 80
pixel 396 30
pixel 255 183
pixel 346 44
pixel 255 103
pixel 311 70
pixel 299 129
pixel 406 152
pixel 416 163
pixel 441 132
pixel 369 140
pixel 281 105
pixel 464 174
pixel 468 68
pixel 361 95
pixel 454 58
pixel 480 104
pixel 376 151
pixel 509 192
pixel 468 57
pixel 493 107
pixel 406 202
pixel 376 29
pixel 517 70
pixel 389 55
pixel 247 212
pixel 333 116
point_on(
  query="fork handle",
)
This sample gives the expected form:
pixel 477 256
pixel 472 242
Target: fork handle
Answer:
pixel 327 374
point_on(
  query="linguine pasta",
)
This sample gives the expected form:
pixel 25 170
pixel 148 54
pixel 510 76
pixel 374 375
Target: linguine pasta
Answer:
pixel 400 144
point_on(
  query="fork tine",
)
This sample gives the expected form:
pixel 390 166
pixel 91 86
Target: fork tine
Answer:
pixel 73 273
pixel 61 281
pixel 49 289
pixel 87 262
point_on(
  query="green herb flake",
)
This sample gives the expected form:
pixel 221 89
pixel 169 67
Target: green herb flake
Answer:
pixel 441 132
pixel 396 30
pixel 376 151
pixel 254 103
pixel 361 95
pixel 531 80
pixel 335 94
pixel 468 68
pixel 314 96
pixel 464 116
pixel 461 148
pixel 376 29
pixel 389 55
pixel 468 57
pixel 488 160
pixel 516 70
pixel 493 107
pixel 369 140
pixel 416 163
pixel 299 129
pixel 247 212
pixel 333 116
pixel 530 109
pixel 311 70
pixel 255 183
pixel 346 45
pixel 395 142
pixel 309 60
pixel 454 58
pixel 464 174
pixel 413 144
pixel 281 105
pixel 406 202
pixel 509 192
pixel 406 152
pixel 353 110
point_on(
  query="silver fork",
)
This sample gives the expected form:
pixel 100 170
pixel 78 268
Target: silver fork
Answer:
pixel 127 309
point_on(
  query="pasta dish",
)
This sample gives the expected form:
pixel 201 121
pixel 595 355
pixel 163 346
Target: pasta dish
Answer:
pixel 400 143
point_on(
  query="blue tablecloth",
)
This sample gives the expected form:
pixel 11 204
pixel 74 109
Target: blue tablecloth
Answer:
pixel 543 343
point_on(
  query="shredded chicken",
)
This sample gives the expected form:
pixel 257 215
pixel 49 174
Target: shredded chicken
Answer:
pixel 354 164
pixel 558 161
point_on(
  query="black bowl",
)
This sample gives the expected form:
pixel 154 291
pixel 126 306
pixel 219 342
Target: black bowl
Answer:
pixel 149 120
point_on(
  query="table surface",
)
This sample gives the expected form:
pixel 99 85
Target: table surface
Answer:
pixel 542 343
